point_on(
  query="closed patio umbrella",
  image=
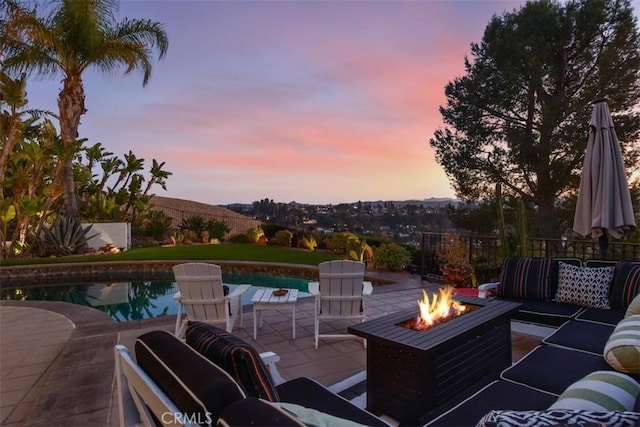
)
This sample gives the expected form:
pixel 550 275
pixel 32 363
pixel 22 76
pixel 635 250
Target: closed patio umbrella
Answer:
pixel 604 200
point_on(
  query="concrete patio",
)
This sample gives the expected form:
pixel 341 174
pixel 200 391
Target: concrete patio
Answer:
pixel 57 361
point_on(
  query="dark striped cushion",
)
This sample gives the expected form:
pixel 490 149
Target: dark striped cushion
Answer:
pixel 199 388
pixel 526 278
pixel 235 356
pixel 626 284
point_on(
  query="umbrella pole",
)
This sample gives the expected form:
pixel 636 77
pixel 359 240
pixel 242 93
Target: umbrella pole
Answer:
pixel 603 242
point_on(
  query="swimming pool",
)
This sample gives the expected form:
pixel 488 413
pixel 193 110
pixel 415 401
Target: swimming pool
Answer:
pixel 125 301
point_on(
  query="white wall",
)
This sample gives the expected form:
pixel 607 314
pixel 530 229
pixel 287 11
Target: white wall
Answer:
pixel 118 233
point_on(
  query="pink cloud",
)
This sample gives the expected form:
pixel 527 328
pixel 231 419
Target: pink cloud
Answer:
pixel 308 101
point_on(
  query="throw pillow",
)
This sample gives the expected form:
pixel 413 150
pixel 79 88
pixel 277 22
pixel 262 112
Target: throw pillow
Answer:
pixel 600 391
pixel 634 307
pixel 626 284
pixel 585 286
pixel 526 278
pixel 622 350
pixel 235 356
pixel 506 418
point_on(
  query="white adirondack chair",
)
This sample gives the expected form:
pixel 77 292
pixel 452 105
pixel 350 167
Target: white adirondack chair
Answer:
pixel 340 294
pixel 201 293
pixel 139 398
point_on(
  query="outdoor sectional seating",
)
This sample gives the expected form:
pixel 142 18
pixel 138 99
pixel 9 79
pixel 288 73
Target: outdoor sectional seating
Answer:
pixel 534 282
pixel 581 352
pixel 215 378
pixel 234 388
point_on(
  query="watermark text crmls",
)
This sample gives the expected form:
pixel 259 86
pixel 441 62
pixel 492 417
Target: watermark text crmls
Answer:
pixel 182 418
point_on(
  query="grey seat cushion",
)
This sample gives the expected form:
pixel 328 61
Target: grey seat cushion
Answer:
pixel 497 395
pixel 580 335
pixel 553 369
pixel 609 316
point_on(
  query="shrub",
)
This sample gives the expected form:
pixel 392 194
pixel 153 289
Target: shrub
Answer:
pixel 360 251
pixel 191 236
pixel 157 224
pixel 256 235
pixel 218 229
pixel 194 223
pixel 392 257
pixel 271 229
pixel 375 241
pixel 240 238
pixel 341 242
pixel 282 238
pixel 487 270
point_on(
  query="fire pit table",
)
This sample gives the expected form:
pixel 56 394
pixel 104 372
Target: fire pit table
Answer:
pixel 411 372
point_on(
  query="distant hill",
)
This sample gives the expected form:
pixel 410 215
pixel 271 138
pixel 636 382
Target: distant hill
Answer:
pixel 178 209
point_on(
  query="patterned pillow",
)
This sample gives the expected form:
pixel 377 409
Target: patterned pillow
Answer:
pixel 526 278
pixel 559 418
pixel 622 350
pixel 626 284
pixel 235 356
pixel 585 286
pixel 600 391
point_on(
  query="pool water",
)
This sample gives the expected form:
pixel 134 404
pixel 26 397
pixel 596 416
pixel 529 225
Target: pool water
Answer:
pixel 125 301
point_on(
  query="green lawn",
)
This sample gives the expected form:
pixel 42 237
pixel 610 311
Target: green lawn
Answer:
pixel 235 252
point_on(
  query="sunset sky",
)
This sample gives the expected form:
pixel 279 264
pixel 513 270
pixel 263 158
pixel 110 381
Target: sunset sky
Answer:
pixel 313 102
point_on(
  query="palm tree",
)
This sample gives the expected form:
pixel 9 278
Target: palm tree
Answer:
pixel 69 38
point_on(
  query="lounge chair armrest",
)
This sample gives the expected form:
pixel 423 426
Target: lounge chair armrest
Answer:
pixel 177 296
pixel 485 288
pixel 270 359
pixel 314 288
pixel 367 288
pixel 239 290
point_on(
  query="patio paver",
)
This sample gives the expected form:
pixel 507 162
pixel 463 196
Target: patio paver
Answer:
pixel 70 381
pixel 30 341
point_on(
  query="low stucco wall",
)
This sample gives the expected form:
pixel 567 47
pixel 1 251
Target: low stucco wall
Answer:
pixel 11 276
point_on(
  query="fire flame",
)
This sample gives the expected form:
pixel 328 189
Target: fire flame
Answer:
pixel 440 307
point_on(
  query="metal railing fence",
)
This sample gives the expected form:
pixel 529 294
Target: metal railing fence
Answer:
pixel 488 250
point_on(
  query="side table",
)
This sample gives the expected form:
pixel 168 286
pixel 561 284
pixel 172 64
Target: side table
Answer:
pixel 264 299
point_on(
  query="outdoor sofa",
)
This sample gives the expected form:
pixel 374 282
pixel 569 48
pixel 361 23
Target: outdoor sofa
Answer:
pixel 584 373
pixel 215 378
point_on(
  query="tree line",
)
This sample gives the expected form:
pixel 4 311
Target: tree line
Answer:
pixel 45 169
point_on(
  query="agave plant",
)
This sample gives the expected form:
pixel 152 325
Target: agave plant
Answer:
pixel 63 237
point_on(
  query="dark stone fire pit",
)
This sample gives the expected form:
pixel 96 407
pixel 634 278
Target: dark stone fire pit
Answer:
pixel 409 372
